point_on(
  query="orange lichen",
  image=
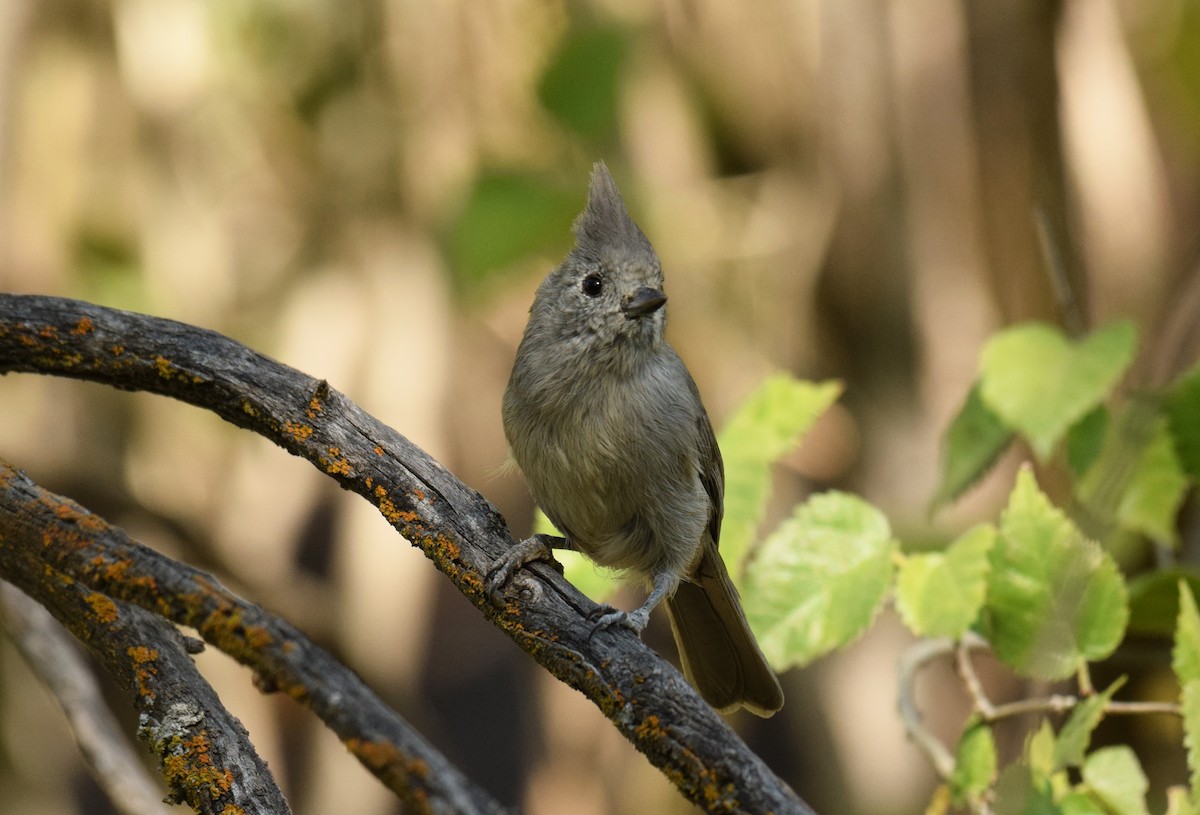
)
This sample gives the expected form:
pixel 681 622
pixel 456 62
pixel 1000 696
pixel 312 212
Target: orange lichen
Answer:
pixel 190 767
pixel 117 349
pixel 449 548
pixel 337 466
pixel 84 326
pixel 143 667
pixel 50 574
pixel 257 637
pixel 68 511
pixel 169 370
pixel 297 430
pixel 388 509
pixel 382 755
pixel 714 792
pixel 116 571
pixel 142 654
pixel 650 727
pixel 103 607
pixel 297 692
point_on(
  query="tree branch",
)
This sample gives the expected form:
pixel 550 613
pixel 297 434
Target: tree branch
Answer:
pixel 645 698
pixel 206 755
pixel 73 541
pixel 54 658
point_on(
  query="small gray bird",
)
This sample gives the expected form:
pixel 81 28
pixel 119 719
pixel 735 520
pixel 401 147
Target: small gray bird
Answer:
pixel 606 424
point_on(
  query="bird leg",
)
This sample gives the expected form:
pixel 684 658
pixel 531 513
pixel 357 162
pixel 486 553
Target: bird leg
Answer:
pixel 636 620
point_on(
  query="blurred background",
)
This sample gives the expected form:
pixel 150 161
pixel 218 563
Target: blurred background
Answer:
pixel 371 190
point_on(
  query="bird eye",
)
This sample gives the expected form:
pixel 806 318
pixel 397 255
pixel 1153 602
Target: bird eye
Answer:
pixel 592 285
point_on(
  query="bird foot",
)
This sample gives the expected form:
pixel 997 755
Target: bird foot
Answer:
pixel 537 547
pixel 605 616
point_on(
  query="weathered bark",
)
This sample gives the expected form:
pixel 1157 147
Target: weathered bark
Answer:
pixel 645 697
pixel 64 538
pixel 55 658
pixel 206 756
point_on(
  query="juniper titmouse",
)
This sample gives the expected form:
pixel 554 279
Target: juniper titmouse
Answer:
pixel 607 426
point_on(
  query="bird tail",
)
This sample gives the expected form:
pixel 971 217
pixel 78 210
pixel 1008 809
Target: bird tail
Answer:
pixel 719 654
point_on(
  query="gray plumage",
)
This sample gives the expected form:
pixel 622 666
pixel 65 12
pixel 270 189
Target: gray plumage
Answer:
pixel 607 426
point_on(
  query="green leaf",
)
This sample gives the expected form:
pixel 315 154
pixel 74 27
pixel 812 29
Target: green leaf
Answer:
pixel 768 425
pixel 1085 439
pixel 1055 599
pixel 1078 803
pixel 1040 384
pixel 939 802
pixel 508 216
pixel 819 580
pixel 1018 792
pixel 1183 414
pixel 1154 600
pixel 939 594
pixel 1116 779
pixel 1100 490
pixel 1039 751
pixel 972 444
pixel 1156 489
pixel 1185 656
pixel 580 84
pixel 1076 733
pixel 974 764
pixel 1185 662
pixel 1189 699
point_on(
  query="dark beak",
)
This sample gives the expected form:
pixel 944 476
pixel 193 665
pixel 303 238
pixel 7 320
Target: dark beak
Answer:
pixel 642 302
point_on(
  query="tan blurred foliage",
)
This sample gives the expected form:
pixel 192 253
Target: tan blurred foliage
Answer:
pixel 841 188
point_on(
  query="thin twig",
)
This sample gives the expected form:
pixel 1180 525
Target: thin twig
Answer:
pixel 913 660
pixel 925 651
pixel 1140 708
pixel 966 671
pixel 54 657
pixel 1060 283
pixel 1084 677
pixel 1055 703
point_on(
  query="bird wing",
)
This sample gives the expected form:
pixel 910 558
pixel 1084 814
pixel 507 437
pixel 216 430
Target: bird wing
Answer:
pixel 712 475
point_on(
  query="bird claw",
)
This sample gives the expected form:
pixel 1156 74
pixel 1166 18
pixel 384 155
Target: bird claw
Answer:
pixel 538 547
pixel 605 616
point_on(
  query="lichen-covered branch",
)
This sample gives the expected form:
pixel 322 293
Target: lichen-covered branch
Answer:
pixel 207 758
pixel 102 557
pixel 644 697
pixel 56 660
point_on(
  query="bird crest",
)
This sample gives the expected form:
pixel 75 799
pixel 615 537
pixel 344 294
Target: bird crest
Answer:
pixel 604 223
